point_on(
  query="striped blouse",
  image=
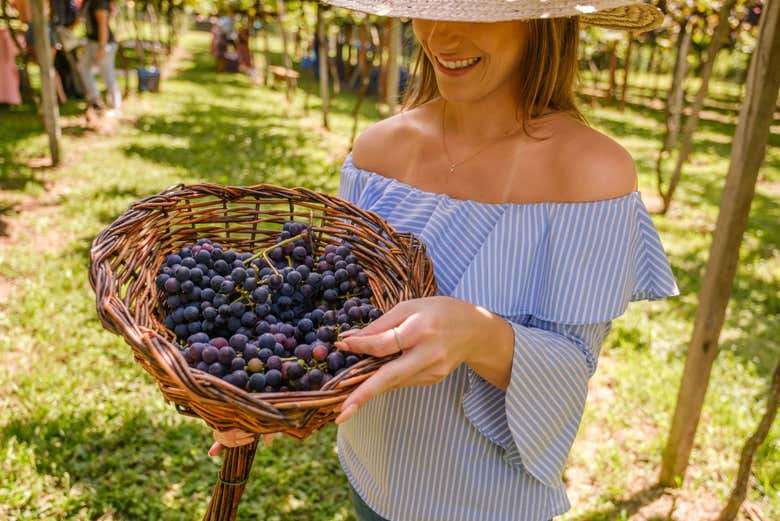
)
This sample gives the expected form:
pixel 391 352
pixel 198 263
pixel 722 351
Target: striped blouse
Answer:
pixel 463 449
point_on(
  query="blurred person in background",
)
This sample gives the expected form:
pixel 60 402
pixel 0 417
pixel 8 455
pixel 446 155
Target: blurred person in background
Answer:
pixel 100 51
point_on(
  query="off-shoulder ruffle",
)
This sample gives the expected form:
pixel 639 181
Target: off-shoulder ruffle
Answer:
pixel 573 263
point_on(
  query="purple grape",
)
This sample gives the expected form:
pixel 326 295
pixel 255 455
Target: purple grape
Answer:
pixel 266 340
pixel 273 377
pixel 304 352
pixel 216 369
pixel 257 382
pixel 295 371
pixel 172 285
pixel 273 362
pixel 250 352
pixel 218 342
pixel 336 361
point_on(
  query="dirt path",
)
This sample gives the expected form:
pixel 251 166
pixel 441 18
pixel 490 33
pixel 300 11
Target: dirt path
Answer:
pixel 32 220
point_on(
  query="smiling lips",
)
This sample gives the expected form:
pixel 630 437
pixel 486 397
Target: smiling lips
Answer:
pixel 458 63
pixel 457 67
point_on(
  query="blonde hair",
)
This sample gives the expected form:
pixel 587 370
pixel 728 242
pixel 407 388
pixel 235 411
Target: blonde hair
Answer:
pixel 551 64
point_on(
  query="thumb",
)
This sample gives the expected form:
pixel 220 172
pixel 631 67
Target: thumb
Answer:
pixel 215 449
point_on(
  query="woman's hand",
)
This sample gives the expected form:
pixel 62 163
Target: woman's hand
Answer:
pixel 434 335
pixel 236 438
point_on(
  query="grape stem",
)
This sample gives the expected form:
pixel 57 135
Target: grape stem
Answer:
pixel 264 253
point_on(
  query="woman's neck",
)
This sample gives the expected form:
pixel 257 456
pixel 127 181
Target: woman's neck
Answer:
pixel 479 121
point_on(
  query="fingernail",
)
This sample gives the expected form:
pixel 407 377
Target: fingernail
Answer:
pixel 341 346
pixel 350 332
pixel 346 413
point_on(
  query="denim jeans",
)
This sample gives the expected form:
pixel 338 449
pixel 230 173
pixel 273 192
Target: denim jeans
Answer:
pixel 362 511
pixel 107 73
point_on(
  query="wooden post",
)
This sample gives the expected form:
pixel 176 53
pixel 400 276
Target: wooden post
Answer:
pixel 322 62
pixel 747 155
pixel 393 71
pixel 51 112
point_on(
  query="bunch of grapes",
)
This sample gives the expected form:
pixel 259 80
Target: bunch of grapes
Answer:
pixel 266 322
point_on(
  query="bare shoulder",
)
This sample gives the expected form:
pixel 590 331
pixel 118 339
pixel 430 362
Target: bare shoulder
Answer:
pixel 592 166
pixel 381 147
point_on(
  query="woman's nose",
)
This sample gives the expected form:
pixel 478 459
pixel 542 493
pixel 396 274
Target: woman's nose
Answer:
pixel 443 33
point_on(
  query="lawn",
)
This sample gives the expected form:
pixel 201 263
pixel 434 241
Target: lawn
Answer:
pixel 84 433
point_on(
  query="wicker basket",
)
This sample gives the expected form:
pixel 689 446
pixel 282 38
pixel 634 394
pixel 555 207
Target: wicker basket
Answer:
pixel 125 258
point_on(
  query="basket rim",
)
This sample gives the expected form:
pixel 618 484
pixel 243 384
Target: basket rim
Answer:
pixel 111 309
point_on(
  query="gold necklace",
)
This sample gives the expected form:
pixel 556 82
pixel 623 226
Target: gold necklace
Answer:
pixel 444 143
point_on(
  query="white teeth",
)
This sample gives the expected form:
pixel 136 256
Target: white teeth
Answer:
pixel 458 64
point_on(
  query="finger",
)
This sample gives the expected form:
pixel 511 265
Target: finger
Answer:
pixel 215 449
pixel 349 332
pixel 380 344
pixel 390 376
pixel 268 439
pixel 389 320
pixel 386 342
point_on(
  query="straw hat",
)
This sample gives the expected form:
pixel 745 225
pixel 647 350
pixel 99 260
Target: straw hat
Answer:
pixel 631 15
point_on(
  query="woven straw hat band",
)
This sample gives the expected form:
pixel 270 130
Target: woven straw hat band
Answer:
pixel 626 15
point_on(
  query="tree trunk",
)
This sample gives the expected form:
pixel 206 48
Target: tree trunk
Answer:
pixel 716 43
pixel 651 60
pixel 384 63
pixel 332 64
pixel 266 54
pixel 282 15
pixel 674 102
pixel 364 68
pixel 747 155
pixel 322 60
pixel 51 111
pixel 626 68
pixel 393 70
pixel 612 67
pixel 739 492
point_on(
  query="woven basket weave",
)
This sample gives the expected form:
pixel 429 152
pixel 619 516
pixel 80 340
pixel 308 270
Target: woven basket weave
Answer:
pixel 126 256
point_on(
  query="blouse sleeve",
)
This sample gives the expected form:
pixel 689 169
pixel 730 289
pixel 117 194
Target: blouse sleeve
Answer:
pixel 589 263
pixel 536 419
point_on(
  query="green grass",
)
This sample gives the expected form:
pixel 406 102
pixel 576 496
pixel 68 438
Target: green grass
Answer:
pixel 84 433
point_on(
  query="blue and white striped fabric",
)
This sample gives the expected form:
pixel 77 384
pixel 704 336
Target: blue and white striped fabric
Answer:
pixel 464 450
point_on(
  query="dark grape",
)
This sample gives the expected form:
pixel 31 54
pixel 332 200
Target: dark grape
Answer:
pixel 217 369
pixel 273 377
pixel 336 361
pixel 304 352
pixel 226 355
pixel 257 382
pixel 212 294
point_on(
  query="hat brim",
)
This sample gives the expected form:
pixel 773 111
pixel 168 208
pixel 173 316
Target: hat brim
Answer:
pixel 624 15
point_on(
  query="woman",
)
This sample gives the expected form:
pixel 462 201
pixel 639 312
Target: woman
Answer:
pixel 539 240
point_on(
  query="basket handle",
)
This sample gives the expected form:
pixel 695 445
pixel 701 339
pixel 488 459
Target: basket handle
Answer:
pixel 231 482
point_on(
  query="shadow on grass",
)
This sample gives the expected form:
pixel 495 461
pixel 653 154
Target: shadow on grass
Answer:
pixel 228 136
pixel 141 468
pixel 625 508
pixel 127 470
